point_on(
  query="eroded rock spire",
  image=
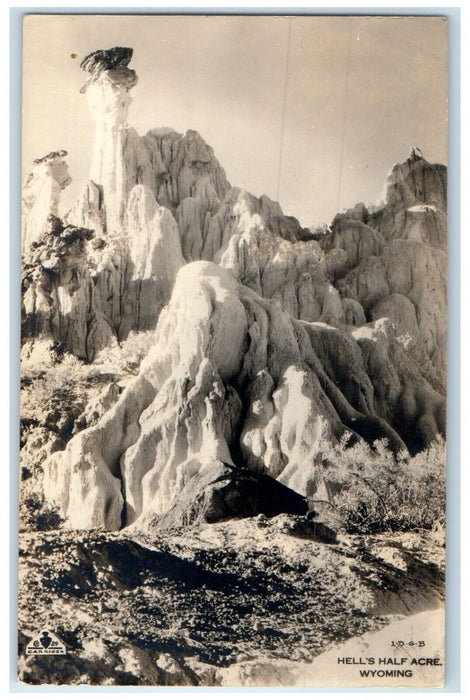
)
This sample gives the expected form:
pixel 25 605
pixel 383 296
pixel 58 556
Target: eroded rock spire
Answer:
pixel 108 94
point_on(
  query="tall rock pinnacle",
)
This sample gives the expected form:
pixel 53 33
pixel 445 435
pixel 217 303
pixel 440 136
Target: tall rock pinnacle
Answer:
pixel 108 94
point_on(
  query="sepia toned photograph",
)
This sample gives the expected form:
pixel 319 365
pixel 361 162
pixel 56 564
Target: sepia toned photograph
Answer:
pixel 233 351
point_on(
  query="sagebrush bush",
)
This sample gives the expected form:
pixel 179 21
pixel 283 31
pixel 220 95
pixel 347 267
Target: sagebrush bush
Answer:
pixel 374 491
pixel 57 386
pixel 35 514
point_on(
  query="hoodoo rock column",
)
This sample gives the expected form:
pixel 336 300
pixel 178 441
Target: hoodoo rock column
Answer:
pixel 108 94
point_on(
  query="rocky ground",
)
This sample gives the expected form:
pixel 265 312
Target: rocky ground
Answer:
pixel 184 607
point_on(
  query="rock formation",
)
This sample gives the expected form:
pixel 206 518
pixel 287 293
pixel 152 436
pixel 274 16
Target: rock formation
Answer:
pixel 58 292
pixel 392 260
pixel 138 248
pixel 41 195
pixel 271 343
pixel 108 95
pixel 232 452
pixel 222 492
pixel 233 379
pixel 259 247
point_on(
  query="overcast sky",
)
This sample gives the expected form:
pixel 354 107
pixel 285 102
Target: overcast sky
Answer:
pixel 312 111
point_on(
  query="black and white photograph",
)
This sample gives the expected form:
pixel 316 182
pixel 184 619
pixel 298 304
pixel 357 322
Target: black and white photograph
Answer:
pixel 233 351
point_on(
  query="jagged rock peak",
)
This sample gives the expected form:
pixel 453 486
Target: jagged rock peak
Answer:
pixel 105 59
pixel 52 165
pixel 416 181
pixel 415 153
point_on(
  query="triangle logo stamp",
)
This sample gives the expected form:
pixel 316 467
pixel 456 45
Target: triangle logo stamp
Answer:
pixel 45 643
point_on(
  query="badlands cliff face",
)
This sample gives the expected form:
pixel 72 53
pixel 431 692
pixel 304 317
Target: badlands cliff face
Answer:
pixel 269 345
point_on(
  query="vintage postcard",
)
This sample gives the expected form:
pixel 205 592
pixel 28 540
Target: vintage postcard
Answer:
pixel 233 362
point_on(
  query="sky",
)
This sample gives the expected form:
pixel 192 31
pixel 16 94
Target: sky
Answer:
pixel 312 111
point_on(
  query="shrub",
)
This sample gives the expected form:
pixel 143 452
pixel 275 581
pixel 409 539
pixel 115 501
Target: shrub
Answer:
pixel 373 491
pixel 36 515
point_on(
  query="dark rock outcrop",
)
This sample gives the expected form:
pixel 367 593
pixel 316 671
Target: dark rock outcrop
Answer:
pixel 51 156
pixel 99 61
pixel 221 492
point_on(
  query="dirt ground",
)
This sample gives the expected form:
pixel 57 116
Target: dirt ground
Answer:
pixel 184 607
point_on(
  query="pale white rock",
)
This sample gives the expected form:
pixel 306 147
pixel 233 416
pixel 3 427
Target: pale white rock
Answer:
pixel 218 346
pixel 187 352
pixel 240 212
pixel 426 224
pixel 84 480
pixel 109 99
pixel 154 257
pixel 108 268
pixel 88 210
pixel 360 260
pixel 189 169
pixel 358 240
pixel 172 166
pixel 402 396
pixel 41 195
pixel 233 377
pixel 396 258
pixel 191 217
pixel 291 272
pixel 185 177
pixel 117 284
pixel 184 431
pixel 416 180
pixel 380 374
pixel 373 331
pixel 153 237
pixel 413 270
pixel 285 433
pixel 204 299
